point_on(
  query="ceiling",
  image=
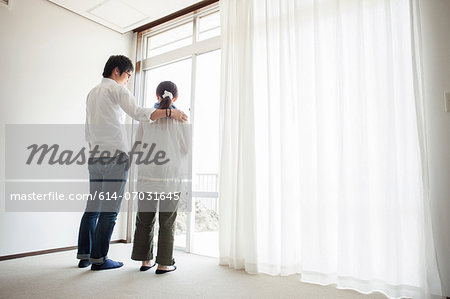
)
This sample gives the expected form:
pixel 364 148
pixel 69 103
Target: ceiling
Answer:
pixel 124 15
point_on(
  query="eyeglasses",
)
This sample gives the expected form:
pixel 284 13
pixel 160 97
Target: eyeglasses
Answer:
pixel 129 74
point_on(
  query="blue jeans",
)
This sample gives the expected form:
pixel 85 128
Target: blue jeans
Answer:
pixel 107 178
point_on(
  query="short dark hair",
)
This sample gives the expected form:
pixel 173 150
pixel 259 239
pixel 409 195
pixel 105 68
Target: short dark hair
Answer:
pixel 170 87
pixel 122 62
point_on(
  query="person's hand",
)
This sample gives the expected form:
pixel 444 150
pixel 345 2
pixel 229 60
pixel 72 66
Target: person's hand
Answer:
pixel 179 115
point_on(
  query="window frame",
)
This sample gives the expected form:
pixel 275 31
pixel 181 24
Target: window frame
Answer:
pixel 144 64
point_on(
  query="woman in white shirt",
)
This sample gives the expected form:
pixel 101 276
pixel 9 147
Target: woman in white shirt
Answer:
pixel 166 182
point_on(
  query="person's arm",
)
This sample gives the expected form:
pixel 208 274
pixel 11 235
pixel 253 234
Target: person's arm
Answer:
pixel 128 104
pixel 175 114
pixel 87 133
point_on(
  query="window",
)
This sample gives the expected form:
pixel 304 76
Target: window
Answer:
pixel 187 52
pixel 206 154
pixel 169 40
pixel 209 26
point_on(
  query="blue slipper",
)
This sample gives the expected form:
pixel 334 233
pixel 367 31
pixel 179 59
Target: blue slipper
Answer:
pixel 108 264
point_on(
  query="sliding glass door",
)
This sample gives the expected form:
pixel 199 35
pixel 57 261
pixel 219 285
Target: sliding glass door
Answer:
pixel 205 165
pixel 187 52
pixel 178 72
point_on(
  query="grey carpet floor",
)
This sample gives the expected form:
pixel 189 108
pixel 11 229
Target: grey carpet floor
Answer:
pixel 56 276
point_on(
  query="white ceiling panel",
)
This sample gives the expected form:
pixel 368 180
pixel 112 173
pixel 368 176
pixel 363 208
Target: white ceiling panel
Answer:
pixel 124 15
pixel 108 11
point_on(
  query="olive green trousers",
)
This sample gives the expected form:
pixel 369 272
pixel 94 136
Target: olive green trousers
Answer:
pixel 143 237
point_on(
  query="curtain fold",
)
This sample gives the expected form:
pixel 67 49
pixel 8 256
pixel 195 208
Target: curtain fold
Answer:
pixel 323 153
pixel 237 174
pixel 432 273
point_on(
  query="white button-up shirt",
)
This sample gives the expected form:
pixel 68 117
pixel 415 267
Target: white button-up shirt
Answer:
pixel 106 106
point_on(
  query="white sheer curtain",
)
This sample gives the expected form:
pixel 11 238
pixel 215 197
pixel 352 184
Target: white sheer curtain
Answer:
pixel 323 168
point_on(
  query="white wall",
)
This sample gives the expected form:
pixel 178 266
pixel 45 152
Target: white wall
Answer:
pixel 436 59
pixel 50 58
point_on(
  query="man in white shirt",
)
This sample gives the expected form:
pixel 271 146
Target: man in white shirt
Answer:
pixel 106 106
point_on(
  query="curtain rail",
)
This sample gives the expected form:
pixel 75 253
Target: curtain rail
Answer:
pixel 175 15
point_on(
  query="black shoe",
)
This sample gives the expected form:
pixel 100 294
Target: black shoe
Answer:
pixel 145 268
pixel 158 271
pixel 84 264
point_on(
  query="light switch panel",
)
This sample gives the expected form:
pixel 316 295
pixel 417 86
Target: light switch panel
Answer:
pixel 447 101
